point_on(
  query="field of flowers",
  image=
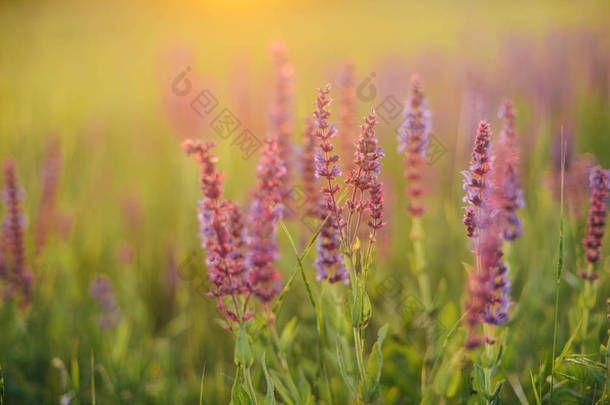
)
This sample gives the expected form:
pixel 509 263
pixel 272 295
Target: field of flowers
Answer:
pixel 304 203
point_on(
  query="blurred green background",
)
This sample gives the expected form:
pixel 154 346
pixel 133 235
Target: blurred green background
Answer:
pixel 98 76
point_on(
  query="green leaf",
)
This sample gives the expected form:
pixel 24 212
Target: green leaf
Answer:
pixel 300 265
pixel 356 310
pixel 342 368
pixel 287 335
pixel 201 386
pixel 304 388
pixel 243 351
pixel 447 379
pixel 566 348
pixel 269 397
pixel 239 396
pixel 478 382
pixel 367 309
pixel 1 386
pixel 534 389
pixel 281 388
pixel 375 364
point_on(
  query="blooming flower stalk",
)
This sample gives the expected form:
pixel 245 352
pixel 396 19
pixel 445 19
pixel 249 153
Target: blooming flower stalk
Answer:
pixel 282 111
pixel 598 212
pixel 487 284
pixel 101 289
pixel 266 209
pixel 220 230
pixel 413 138
pixel 329 262
pixel 366 190
pixel 19 278
pixel 508 195
pixel 50 182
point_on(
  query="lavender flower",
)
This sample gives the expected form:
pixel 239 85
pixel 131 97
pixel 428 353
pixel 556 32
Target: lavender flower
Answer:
pixel 221 237
pixel 265 211
pixel 364 179
pixel 598 211
pixel 413 138
pixel 50 181
pixel 329 261
pixel 488 285
pixel 509 196
pixel 282 111
pixel 19 278
pixel 101 289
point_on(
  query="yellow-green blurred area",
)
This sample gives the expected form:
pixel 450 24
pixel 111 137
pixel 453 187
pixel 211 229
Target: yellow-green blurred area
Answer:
pixel 98 76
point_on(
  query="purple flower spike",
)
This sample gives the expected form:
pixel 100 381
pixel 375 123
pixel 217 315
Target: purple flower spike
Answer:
pixel 598 212
pixel 265 211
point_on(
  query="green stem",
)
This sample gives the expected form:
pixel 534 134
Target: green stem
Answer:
pixel 359 356
pixel 489 357
pixel 423 281
pixel 587 307
pixel 246 371
pixel 559 265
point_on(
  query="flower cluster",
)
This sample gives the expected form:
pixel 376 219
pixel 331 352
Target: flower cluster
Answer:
pixel 598 182
pixel 364 178
pixel 329 262
pixel 222 238
pixel 13 267
pixel 364 187
pixel 509 196
pixel 413 138
pixel 282 119
pixel 488 285
pixel 265 210
pixel 101 290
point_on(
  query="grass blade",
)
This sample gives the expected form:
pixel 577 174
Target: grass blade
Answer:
pixel 559 261
pixel 300 265
pixel 201 385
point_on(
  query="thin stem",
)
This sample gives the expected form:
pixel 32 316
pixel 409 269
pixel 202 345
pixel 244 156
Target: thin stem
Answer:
pixel 559 263
pixel 489 356
pixel 587 307
pixel 246 371
pixel 359 356
pixel 422 275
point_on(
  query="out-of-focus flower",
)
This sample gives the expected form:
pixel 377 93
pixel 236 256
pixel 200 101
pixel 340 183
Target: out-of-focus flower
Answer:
pixel 282 111
pixel 265 210
pixel 18 276
pixel 597 214
pixel 488 285
pixel 50 182
pixel 508 196
pixel 101 290
pixel 413 138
